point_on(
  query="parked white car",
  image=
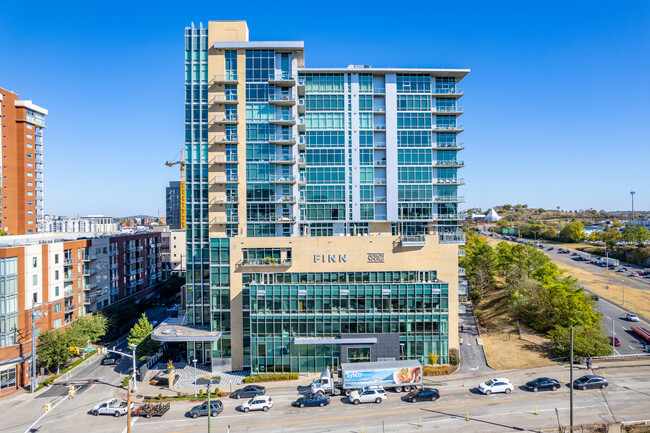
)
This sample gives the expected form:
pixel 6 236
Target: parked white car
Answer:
pixel 496 385
pixel 368 394
pixel 261 402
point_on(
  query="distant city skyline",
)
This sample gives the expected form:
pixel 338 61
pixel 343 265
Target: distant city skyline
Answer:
pixel 555 113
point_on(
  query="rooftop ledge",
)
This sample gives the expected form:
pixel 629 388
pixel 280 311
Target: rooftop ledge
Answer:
pixel 298 45
pixel 168 331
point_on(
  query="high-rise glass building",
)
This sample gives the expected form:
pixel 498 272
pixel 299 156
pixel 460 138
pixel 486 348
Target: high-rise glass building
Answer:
pixel 322 208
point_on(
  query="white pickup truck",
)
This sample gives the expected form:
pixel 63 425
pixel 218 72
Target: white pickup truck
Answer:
pixel 114 407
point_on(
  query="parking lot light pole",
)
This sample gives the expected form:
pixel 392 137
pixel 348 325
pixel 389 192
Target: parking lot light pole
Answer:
pixel 613 337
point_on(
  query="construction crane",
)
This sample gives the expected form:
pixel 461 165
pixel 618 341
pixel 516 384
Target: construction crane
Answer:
pixel 181 161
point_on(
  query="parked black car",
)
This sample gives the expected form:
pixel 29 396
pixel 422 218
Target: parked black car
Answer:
pixel 430 394
pixel 590 381
pixel 249 391
pixel 313 400
pixel 542 383
pixel 111 358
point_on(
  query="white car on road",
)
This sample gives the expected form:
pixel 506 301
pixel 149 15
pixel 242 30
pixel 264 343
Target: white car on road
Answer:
pixel 261 402
pixel 632 317
pixel 368 394
pixel 496 385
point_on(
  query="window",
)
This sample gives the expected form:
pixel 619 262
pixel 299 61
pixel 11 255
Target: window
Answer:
pixel 57 323
pixel 56 291
pixel 30 136
pixel 358 354
pixel 8 377
pixel 29 164
pixel 34 262
pixel 57 307
pixel 413 84
pixel 56 258
pixel 34 281
pixel 56 275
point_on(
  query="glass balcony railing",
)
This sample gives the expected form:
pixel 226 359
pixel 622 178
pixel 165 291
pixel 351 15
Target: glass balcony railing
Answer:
pixel 448 91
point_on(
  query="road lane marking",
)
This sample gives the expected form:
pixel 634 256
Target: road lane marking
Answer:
pixel 393 412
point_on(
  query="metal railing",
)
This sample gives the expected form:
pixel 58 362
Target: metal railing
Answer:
pixel 381 181
pixel 283 119
pixel 448 145
pixel 447 127
pixel 266 262
pixel 225 219
pixel 283 158
pixel 450 181
pixel 281 77
pixel 282 138
pixel 284 179
pixel 452 238
pixel 283 97
pixel 230 77
pixel 450 217
pixel 447 109
pixel 380 162
pixel 224 179
pixel 449 163
pixel 413 240
pixel 449 199
pixel 448 91
pixel 224 158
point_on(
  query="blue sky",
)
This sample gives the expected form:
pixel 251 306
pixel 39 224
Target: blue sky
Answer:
pixel 557 106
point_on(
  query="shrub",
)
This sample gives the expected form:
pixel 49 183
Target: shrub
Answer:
pixel 453 356
pixel 271 377
pixel 436 370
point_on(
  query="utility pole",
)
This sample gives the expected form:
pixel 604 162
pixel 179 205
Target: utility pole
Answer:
pixel 623 281
pixel 128 409
pixel 632 194
pixel 613 337
pixel 571 385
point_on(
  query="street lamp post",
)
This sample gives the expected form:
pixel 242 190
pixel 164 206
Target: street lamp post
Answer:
pixel 195 385
pixel 33 382
pixel 135 386
pixel 613 336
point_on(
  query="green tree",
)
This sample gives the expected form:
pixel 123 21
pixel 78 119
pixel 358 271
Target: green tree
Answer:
pixel 480 265
pixel 503 224
pixel 573 232
pixel 91 327
pixel 636 233
pixel 616 224
pixel 140 334
pixel 610 237
pixel 549 234
pixel 53 350
pixel 587 341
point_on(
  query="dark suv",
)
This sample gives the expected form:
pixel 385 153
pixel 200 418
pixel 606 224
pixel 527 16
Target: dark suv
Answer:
pixel 111 358
pixel 215 409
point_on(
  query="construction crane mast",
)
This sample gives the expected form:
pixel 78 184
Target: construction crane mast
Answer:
pixel 182 188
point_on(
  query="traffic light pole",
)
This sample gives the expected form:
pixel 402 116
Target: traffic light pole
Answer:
pixel 128 409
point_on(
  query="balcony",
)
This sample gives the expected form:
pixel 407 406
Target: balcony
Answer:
pixel 225 159
pixel 448 91
pixel 452 238
pixel 283 140
pixel 301 86
pixel 448 110
pixel 301 124
pixel 449 146
pixel 450 217
pixel 379 128
pixel 379 110
pixel 454 181
pixel 450 164
pixel 69 261
pixel 224 199
pixel 447 128
pixel 283 120
pixel 380 145
pixel 282 80
pixel 461 272
pixel 266 262
pixel 86 272
pixel 301 162
pixel 224 79
pixel 224 139
pixel 302 143
pixel 69 308
pixel 283 159
pixel 232 178
pixel 289 179
pixel 224 120
pixel 222 219
pixel 301 105
pixel 69 276
pixel 283 199
pixel 449 199
pixel 301 180
pixel 224 99
pixel 380 181
pixel 380 199
pixel 68 291
pixel 461 252
pixel 282 99
pixel 380 163
pixel 413 240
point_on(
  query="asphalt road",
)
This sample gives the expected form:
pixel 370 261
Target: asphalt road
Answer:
pixel 460 407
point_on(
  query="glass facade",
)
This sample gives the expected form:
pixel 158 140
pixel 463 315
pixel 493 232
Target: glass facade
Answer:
pixel 280 307
pixel 274 150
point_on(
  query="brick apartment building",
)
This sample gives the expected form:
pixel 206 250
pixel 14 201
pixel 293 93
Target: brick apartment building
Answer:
pixel 21 141
pixel 65 276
